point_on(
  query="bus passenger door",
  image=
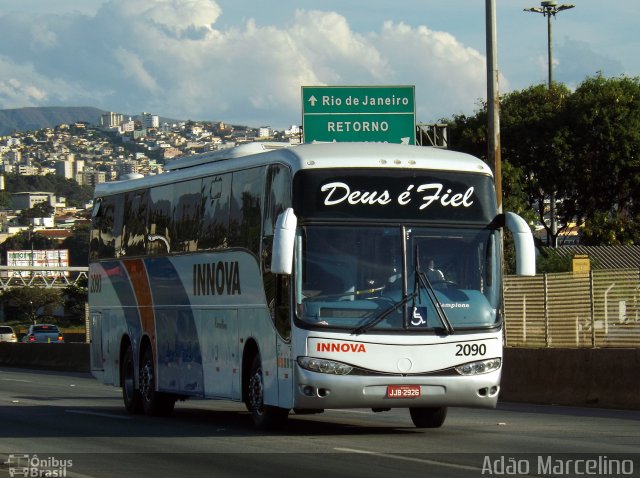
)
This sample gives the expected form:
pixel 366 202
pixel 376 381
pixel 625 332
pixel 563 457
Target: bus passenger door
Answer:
pixel 281 315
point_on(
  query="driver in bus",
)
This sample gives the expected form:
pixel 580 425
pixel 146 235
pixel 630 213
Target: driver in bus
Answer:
pixel 434 275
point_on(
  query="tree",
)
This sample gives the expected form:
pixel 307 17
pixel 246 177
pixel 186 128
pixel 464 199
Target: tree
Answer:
pixel 547 262
pixel 5 200
pixel 611 228
pixel 533 141
pixel 78 245
pixel 582 148
pixel 75 194
pixel 75 299
pixel 23 303
pixel 41 209
pixel 605 143
pixel 469 134
pixel 25 240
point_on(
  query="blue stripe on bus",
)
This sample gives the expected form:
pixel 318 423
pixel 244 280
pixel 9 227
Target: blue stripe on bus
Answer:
pixel 177 340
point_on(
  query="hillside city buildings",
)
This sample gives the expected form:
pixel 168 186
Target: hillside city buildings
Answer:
pixel 119 145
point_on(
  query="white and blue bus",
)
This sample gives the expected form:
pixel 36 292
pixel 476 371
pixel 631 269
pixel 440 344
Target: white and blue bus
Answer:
pixel 304 278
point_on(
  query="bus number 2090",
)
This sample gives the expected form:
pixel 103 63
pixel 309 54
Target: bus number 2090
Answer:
pixel 465 350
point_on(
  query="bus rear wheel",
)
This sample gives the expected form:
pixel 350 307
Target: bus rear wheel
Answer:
pixel 265 417
pixel 428 417
pixel 130 394
pixel 154 403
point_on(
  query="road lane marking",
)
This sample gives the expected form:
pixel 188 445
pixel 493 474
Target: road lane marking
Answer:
pixel 408 458
pixel 99 414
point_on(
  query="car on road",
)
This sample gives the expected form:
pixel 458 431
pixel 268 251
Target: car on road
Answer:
pixel 7 334
pixel 43 333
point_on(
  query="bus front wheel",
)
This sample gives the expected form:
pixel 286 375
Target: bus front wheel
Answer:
pixel 265 417
pixel 428 417
pixel 154 403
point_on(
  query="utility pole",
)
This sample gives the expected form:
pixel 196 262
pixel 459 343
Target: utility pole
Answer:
pixel 493 101
pixel 550 9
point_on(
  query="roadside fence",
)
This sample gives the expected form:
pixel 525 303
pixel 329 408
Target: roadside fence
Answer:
pixel 583 310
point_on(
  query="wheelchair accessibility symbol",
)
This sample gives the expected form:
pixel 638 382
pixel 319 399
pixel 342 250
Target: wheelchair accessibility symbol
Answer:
pixel 418 316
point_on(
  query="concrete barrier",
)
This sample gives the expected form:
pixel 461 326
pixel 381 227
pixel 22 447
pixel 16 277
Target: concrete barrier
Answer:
pixel 71 357
pixel 606 378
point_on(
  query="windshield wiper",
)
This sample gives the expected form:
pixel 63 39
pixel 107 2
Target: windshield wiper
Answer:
pixel 426 285
pixel 379 318
pixel 421 281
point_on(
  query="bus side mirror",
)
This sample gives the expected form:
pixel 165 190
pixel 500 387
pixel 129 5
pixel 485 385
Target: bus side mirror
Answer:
pixel 523 239
pixel 283 242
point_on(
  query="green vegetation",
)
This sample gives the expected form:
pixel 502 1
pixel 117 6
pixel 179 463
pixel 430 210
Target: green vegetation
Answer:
pixel 24 305
pixel 76 195
pixel 42 209
pixel 582 147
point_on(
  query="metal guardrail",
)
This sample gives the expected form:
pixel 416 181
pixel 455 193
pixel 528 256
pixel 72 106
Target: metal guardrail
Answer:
pixel 585 310
pixel 45 277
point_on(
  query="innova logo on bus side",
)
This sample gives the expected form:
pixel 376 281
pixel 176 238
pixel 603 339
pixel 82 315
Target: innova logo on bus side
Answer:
pixel 216 278
pixel 339 347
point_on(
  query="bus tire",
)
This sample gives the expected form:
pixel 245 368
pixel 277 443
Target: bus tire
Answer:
pixel 154 403
pixel 130 393
pixel 428 417
pixel 265 417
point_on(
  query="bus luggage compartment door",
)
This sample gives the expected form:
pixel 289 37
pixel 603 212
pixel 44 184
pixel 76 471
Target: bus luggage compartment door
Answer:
pixel 95 334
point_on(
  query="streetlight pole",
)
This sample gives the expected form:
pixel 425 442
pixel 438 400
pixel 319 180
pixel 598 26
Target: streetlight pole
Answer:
pixel 550 9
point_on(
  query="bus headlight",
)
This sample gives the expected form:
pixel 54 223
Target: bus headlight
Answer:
pixel 324 366
pixel 479 367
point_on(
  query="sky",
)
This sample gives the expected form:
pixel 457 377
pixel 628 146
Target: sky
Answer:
pixel 245 61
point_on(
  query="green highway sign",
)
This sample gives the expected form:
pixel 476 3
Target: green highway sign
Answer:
pixel 359 113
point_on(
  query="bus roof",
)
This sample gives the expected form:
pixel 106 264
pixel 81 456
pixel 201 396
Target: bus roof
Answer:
pixel 306 156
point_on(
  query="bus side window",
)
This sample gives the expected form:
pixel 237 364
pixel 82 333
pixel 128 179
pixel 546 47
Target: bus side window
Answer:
pixel 160 207
pixel 214 223
pixel 94 238
pixel 277 199
pixel 185 216
pixel 276 287
pixel 245 218
pixel 277 196
pixel 107 228
pixel 134 230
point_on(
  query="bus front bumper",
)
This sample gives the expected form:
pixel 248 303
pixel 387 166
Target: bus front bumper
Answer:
pixel 322 391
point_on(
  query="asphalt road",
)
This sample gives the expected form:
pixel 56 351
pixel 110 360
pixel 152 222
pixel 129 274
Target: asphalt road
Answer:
pixel 63 424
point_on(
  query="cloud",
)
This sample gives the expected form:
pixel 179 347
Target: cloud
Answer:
pixel 133 68
pixel 577 60
pixel 171 57
pixel 21 85
pixel 175 18
pixel 449 76
pixel 16 92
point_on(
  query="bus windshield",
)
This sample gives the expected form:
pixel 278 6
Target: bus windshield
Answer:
pixel 348 277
